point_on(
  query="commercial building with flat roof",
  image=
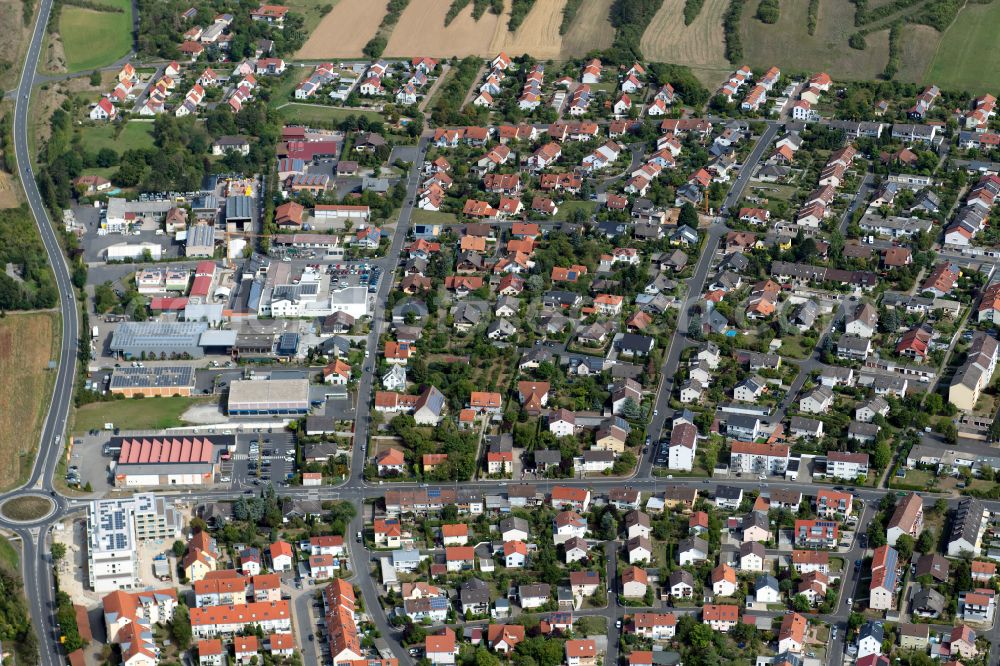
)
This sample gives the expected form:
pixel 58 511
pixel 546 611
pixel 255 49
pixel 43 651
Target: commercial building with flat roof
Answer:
pixel 200 241
pixel 152 382
pixel 268 396
pixel 114 527
pixel 159 340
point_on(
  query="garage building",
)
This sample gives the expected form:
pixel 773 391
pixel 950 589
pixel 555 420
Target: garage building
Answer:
pixel 184 460
pixel 268 396
pixel 153 382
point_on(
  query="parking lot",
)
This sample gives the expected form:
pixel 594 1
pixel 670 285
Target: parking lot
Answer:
pixel 259 458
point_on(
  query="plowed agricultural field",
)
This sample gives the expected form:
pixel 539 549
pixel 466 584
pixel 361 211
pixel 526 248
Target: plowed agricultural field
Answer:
pixel 345 30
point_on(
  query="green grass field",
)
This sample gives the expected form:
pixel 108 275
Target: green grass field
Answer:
pixel 93 39
pixel 136 134
pixel 967 56
pixel 430 217
pixel 567 207
pixel 134 414
pixel 309 113
pixel 8 555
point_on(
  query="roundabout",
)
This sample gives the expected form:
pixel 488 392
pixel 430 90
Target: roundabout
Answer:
pixel 27 509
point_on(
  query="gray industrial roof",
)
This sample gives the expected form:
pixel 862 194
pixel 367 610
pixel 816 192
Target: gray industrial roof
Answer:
pixel 255 393
pixel 218 338
pixel 152 335
pixel 239 207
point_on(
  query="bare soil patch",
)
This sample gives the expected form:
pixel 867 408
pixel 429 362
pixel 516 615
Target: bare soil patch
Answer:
pixel 55 57
pixel 8 191
pixel 344 31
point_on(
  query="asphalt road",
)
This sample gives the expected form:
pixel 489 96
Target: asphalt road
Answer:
pixel 38 584
pixel 36 568
pixel 362 417
pixel 695 285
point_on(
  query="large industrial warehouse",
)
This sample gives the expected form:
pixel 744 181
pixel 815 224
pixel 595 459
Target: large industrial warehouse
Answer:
pixel 184 460
pixel 158 339
pixel 249 397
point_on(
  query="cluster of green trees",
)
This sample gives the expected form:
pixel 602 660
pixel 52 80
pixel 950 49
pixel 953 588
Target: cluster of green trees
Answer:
pixel 569 13
pixel 7 142
pixel 895 48
pixel 479 8
pixel 66 619
pixel 683 80
pixel 629 19
pixel 446 438
pixel 161 27
pixel 130 302
pixel 863 15
pixel 518 10
pixel 731 31
pixel 447 109
pixel 21 246
pixel 691 10
pixel 768 11
pixel 376 45
pixel 812 17
pixel 15 623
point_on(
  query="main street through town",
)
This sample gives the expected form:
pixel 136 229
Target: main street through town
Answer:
pixel 36 562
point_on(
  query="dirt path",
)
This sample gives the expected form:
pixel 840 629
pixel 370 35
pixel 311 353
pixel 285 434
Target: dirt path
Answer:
pixel 445 71
pixel 473 91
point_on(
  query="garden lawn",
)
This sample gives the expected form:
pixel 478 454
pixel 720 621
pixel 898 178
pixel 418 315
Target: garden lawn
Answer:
pixel 305 113
pixel 419 216
pixel 135 134
pixel 567 207
pixel 93 39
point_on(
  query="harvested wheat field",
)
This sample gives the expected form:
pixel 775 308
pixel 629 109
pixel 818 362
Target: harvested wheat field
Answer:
pixel 421 31
pixel 590 29
pixel 26 347
pixel 538 34
pixel 345 30
pixel 699 45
